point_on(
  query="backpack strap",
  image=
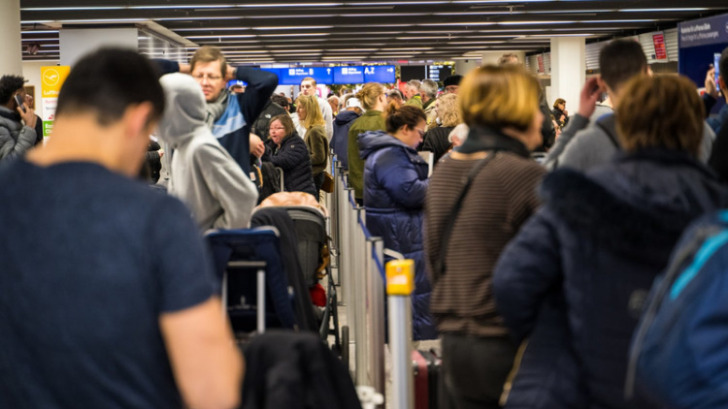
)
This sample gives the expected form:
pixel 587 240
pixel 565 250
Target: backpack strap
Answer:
pixel 607 124
pixel 447 232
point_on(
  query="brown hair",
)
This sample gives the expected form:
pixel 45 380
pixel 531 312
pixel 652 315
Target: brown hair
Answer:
pixel 620 60
pixel 207 54
pixel 409 115
pixel 369 93
pixel 286 121
pixel 447 110
pixel 313 112
pixel 663 111
pixel 499 97
pixel 558 102
pixel 312 79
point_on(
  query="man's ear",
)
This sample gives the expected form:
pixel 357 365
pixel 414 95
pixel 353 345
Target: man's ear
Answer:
pixel 136 118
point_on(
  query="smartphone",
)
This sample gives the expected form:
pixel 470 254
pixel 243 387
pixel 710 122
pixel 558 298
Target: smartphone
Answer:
pixel 19 101
pixel 716 64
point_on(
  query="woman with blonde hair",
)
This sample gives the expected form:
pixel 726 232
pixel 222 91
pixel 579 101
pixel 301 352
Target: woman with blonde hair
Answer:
pixel 478 198
pixel 310 116
pixel 448 117
pixel 373 99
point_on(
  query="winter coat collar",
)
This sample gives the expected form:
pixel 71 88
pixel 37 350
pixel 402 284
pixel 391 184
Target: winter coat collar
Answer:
pixel 481 138
pixel 372 141
pixel 629 225
pixel 344 117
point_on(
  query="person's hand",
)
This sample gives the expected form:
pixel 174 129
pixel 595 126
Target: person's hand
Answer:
pixel 185 68
pixel 566 113
pixel 28 116
pixel 588 98
pixel 161 153
pixel 710 86
pixel 230 74
pixel 562 119
pixel 257 147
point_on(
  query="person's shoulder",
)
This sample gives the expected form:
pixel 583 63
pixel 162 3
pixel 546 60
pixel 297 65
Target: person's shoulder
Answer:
pixel 518 165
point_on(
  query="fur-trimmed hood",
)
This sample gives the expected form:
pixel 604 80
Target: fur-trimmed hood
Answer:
pixel 639 202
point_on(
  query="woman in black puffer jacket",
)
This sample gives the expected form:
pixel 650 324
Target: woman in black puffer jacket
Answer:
pixel 286 150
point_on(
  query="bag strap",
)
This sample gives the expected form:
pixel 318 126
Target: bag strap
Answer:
pixel 450 221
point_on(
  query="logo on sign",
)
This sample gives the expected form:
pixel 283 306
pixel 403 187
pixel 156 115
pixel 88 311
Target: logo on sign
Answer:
pixel 310 71
pixel 292 71
pixel 345 71
pixel 51 77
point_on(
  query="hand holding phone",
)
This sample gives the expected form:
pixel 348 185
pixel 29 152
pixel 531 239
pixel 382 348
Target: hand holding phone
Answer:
pixel 19 101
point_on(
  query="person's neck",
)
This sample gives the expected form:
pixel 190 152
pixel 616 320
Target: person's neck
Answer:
pixel 79 140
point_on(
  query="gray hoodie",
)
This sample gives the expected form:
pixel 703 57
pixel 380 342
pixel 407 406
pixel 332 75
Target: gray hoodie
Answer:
pixel 202 174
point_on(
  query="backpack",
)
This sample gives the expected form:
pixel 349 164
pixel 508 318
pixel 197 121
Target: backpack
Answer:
pixel 679 353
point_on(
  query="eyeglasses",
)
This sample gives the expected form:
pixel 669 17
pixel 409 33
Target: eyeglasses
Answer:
pixel 209 77
pixel 420 131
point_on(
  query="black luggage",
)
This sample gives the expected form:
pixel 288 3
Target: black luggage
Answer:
pixel 426 366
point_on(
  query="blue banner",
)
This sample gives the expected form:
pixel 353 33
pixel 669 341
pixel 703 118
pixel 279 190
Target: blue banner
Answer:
pixel 349 75
pixel 705 31
pixel 380 73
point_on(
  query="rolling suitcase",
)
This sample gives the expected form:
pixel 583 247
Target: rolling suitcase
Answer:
pixel 426 366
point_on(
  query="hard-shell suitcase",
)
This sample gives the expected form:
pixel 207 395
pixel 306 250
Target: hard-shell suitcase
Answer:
pixel 426 366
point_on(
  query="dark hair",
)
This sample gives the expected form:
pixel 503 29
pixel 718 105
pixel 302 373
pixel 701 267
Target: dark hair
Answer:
pixel 280 100
pixel 620 60
pixel 9 84
pixel 407 115
pixel 109 80
pixel 395 93
pixel 558 102
pixel 663 111
pixel 723 65
pixel 286 121
pixel 207 54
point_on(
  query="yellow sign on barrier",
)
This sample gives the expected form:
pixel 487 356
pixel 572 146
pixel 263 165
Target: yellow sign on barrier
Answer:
pixel 52 78
pixel 400 277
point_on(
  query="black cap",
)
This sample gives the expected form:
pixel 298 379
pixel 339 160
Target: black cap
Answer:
pixel 453 80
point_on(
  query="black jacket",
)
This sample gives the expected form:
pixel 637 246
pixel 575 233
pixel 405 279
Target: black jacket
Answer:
pixel 437 142
pixel 261 125
pixel 295 371
pixel 293 157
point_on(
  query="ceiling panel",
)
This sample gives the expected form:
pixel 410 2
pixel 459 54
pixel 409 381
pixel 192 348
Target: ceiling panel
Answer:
pixel 331 31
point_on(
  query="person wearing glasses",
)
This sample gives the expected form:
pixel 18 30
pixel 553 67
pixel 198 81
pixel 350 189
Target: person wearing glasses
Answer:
pixel 395 184
pixel 229 116
pixel 286 150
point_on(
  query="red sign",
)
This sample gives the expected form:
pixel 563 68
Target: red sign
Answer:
pixel 660 50
pixel 540 64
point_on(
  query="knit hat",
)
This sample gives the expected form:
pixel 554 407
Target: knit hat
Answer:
pixel 453 80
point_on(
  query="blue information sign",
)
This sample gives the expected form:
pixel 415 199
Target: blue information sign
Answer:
pixel 349 75
pixel 294 76
pixel 379 73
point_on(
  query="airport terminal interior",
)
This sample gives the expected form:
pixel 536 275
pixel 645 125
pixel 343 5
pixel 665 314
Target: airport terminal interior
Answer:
pixel 391 204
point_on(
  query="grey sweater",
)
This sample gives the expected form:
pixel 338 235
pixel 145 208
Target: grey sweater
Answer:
pixel 592 146
pixel 203 174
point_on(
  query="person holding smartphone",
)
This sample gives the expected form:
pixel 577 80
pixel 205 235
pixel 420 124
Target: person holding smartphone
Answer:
pixel 17 120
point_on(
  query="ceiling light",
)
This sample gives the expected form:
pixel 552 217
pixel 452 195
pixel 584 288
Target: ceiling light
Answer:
pixel 223 36
pixel 295 35
pixel 294 28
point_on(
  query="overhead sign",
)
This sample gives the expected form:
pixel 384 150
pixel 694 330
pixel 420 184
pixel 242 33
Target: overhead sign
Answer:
pixel 294 76
pixel 380 73
pixel 349 75
pixel 658 40
pixel 711 30
pixel 51 81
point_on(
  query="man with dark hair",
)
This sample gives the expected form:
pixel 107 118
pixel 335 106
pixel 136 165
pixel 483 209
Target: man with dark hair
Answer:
pixel 17 122
pixel 581 146
pixel 107 294
pixel 230 116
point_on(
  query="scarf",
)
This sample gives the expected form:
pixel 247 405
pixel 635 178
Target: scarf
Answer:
pixel 481 138
pixel 216 108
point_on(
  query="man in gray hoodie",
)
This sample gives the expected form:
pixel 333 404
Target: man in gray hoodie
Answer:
pixel 619 61
pixel 203 174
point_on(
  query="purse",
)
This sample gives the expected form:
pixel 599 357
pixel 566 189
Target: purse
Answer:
pixel 328 184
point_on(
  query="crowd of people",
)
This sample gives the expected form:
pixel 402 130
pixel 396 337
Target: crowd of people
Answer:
pixel 533 275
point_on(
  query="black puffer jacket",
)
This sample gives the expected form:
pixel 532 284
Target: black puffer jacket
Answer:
pixel 437 142
pixel 294 159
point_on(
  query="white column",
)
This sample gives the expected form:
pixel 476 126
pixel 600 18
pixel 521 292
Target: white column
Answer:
pixel 12 55
pixel 568 70
pixel 75 43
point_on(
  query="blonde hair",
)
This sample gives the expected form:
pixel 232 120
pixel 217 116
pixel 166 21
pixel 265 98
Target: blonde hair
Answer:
pixel 448 111
pixel 663 111
pixel 207 54
pixel 313 112
pixel 499 97
pixel 369 94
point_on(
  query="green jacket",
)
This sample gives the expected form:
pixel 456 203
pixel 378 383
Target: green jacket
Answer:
pixel 415 101
pixel 318 148
pixel 369 121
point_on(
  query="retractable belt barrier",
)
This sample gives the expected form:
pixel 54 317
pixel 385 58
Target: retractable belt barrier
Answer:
pixel 359 259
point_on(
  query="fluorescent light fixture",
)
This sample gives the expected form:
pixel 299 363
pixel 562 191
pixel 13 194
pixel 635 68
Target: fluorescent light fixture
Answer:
pixel 535 23
pixel 294 28
pixel 269 5
pixel 223 36
pixel 344 57
pixel 405 48
pixel 664 10
pixel 426 38
pixel 295 35
pixel 32 40
pixel 395 3
pixel 39 32
pixel 384 14
pixel 457 24
pixel 285 16
pixel 212 29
